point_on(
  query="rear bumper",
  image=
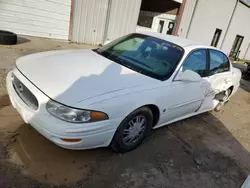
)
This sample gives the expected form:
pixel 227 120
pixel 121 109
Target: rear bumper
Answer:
pixel 93 135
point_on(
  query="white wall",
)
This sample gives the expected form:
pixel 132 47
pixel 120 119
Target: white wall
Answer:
pixel 186 18
pixel 240 26
pixel 247 54
pixel 36 17
pixel 212 14
pixel 208 16
pixel 95 21
pixel 89 21
pixel 123 17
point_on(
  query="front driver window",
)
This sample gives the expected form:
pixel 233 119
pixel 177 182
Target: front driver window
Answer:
pixel 197 62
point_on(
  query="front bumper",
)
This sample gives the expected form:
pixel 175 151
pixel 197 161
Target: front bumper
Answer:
pixel 93 135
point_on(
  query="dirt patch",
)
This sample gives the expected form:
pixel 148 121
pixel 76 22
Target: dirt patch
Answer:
pixel 49 163
pixel 4 100
pixel 37 158
pixel 3 74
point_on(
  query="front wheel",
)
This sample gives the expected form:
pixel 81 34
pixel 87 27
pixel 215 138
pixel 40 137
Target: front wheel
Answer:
pixel 132 131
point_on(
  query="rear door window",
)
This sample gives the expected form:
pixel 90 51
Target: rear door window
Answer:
pixel 219 62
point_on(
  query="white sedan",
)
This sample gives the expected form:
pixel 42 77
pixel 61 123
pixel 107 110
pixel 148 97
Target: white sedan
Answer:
pixel 114 95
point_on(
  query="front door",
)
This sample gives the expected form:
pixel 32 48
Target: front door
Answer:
pixel 236 47
pixel 187 97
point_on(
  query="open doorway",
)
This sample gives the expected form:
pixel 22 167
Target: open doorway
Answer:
pixel 158 16
pixel 165 26
pixel 235 51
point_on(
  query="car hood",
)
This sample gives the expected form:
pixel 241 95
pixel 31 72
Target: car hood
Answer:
pixel 71 76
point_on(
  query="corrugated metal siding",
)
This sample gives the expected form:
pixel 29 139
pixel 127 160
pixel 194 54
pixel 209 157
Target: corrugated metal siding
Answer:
pixel 89 20
pixel 186 18
pixel 36 17
pixel 240 25
pixel 123 18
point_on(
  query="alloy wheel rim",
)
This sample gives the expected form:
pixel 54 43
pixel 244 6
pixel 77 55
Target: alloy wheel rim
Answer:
pixel 134 130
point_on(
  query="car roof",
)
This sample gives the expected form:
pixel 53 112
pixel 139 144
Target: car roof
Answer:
pixel 177 40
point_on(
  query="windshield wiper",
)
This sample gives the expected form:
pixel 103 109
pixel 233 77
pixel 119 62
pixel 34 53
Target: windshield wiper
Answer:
pixel 136 61
pixel 125 64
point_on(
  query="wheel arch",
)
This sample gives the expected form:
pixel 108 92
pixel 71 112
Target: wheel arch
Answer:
pixel 154 109
pixel 232 89
pixel 156 113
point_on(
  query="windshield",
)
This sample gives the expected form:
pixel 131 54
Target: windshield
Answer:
pixel 147 55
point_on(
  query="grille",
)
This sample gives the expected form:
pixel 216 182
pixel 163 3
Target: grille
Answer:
pixel 24 93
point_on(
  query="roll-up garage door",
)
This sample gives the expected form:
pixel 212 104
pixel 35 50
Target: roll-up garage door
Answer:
pixel 43 18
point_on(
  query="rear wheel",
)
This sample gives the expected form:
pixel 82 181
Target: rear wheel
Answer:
pixel 132 131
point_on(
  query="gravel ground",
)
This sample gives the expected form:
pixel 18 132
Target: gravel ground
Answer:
pixel 3 74
pixel 209 150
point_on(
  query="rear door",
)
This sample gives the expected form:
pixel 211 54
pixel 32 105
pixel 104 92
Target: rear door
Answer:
pixel 220 76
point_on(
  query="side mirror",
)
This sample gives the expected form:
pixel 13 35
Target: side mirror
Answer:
pixel 189 76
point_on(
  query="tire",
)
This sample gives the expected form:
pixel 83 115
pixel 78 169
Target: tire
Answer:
pixel 7 38
pixel 221 104
pixel 119 144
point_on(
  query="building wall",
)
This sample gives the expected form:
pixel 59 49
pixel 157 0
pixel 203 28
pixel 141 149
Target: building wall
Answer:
pixel 36 17
pixel 96 21
pixel 247 54
pixel 186 18
pixel 202 17
pixel 207 17
pixel 123 18
pixel 89 21
pixel 240 25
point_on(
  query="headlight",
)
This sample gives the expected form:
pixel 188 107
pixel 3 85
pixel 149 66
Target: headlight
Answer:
pixel 73 115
